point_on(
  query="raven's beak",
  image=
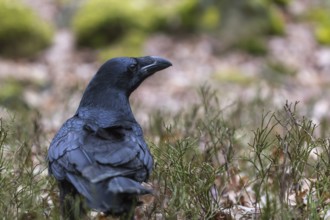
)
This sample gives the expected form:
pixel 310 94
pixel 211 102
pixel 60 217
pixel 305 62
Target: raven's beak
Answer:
pixel 152 64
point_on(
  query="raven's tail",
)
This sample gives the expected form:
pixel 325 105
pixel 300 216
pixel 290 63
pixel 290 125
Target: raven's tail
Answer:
pixel 115 196
pixel 125 185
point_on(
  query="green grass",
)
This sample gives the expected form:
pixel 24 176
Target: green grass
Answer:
pixel 210 163
pixel 26 191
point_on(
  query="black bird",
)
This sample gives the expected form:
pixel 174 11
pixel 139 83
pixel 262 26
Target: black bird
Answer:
pixel 99 156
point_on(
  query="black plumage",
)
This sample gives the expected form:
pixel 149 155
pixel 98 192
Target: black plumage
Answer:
pixel 99 156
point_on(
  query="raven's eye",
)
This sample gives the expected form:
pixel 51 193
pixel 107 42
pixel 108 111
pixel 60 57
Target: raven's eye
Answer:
pixel 133 67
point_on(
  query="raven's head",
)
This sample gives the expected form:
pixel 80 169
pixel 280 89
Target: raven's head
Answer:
pixel 127 73
pixel 116 80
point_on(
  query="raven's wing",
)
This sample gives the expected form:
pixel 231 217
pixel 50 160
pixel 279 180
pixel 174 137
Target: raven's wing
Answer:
pixel 100 162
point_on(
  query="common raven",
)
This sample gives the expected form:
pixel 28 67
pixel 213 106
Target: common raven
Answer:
pixel 99 156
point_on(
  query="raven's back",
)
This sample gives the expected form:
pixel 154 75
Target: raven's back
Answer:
pixel 105 165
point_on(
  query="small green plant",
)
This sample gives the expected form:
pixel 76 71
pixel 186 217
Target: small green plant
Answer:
pixel 193 156
pixel 26 192
pixel 22 33
pixel 283 159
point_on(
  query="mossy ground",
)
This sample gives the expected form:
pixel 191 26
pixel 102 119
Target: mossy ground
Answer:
pixel 22 32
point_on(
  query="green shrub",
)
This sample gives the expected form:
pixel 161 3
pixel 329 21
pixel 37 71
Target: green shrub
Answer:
pixel 185 173
pixel 101 22
pixel 22 33
pixel 26 190
pixel 288 154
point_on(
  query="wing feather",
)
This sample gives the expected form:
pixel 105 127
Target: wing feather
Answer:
pixel 97 154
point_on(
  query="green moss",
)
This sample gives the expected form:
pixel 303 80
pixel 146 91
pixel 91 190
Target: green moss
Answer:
pixel 210 20
pixel 233 76
pixel 102 22
pixel 130 45
pixel 22 33
pixel 11 94
pixel 318 15
pixel 10 89
pixel 256 46
pixel 194 15
pixel 265 19
pixel 281 2
pixel 321 18
pixel 247 25
pixel 187 12
pixel 276 23
pixel 322 33
pixel 280 68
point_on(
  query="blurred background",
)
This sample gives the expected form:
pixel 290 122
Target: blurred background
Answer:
pixel 272 50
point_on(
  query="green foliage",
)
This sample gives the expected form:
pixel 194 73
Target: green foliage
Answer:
pixel 210 19
pixel 26 192
pixel 248 24
pixel 11 94
pixel 321 18
pixel 254 45
pixel 195 151
pixel 322 33
pixel 22 33
pixel 277 73
pixel 242 24
pixel 187 12
pixel 276 22
pixel 283 161
pixel 191 16
pixel 200 155
pixel 280 68
pixel 192 154
pixel 186 180
pixel 281 2
pixel 101 22
pixel 234 76
pixel 130 45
